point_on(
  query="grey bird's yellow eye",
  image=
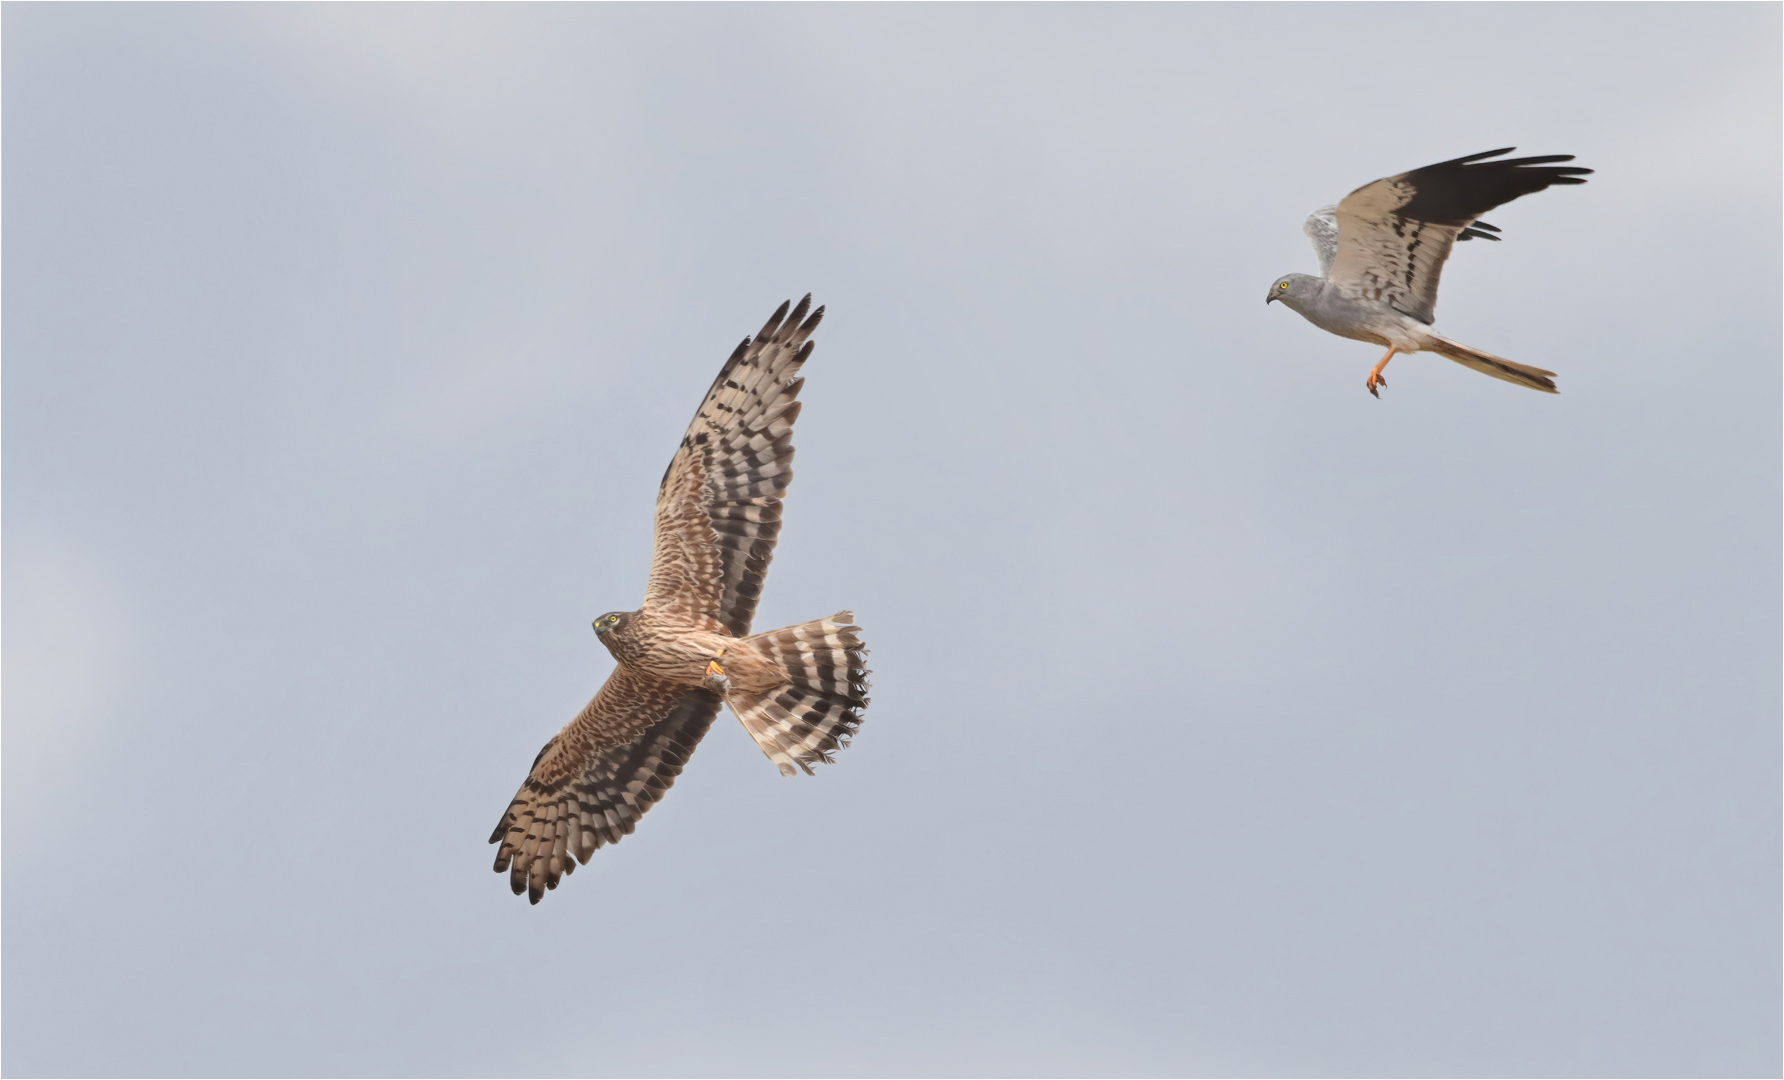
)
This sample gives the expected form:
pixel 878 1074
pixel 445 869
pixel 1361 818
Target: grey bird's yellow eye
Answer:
pixel 1283 285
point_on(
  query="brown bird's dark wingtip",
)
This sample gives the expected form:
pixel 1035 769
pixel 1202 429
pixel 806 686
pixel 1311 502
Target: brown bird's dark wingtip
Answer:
pixel 773 325
pixel 797 318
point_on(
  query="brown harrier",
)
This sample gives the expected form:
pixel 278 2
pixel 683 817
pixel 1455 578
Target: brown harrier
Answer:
pixel 799 691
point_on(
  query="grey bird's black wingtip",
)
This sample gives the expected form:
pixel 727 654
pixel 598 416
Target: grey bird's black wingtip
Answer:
pixel 1458 191
pixel 1569 174
pixel 1543 159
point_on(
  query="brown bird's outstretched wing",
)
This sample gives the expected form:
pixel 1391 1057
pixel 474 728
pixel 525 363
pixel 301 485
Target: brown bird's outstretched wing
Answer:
pixel 719 506
pixel 595 779
pixel 1394 234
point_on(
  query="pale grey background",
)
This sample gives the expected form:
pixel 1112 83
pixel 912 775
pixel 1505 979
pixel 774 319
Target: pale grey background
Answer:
pixel 1225 720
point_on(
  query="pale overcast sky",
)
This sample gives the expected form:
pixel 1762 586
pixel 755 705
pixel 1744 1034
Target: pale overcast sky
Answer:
pixel 1226 720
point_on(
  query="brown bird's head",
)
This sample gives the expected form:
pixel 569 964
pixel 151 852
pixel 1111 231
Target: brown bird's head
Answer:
pixel 614 629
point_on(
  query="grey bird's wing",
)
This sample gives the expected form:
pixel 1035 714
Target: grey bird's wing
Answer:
pixel 1321 227
pixel 719 506
pixel 1394 234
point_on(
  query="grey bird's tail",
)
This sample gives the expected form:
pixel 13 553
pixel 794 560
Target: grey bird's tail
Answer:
pixel 1497 366
pixel 806 719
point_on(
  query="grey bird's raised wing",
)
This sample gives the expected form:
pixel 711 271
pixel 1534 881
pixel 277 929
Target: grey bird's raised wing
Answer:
pixel 1394 234
pixel 1321 227
pixel 719 506
pixel 595 779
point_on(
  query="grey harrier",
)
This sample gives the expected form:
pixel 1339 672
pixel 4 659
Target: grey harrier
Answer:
pixel 800 692
pixel 1382 249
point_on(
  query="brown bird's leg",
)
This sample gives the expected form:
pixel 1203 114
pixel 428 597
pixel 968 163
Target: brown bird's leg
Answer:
pixel 1375 378
pixel 716 680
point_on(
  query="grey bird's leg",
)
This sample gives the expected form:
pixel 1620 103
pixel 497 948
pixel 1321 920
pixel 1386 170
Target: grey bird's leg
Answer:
pixel 1375 378
pixel 716 680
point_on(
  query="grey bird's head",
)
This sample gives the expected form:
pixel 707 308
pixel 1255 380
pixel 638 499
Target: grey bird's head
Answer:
pixel 1295 290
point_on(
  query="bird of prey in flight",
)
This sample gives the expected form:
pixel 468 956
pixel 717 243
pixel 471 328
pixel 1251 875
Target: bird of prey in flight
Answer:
pixel 800 692
pixel 1382 249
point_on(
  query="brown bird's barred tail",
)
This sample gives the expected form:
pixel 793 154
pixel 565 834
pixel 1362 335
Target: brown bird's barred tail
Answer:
pixel 813 714
pixel 1497 366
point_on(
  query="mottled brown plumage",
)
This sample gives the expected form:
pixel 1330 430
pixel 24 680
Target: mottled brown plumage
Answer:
pixel 799 691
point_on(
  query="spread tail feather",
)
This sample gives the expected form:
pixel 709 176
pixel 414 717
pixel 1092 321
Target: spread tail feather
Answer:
pixel 806 719
pixel 1497 366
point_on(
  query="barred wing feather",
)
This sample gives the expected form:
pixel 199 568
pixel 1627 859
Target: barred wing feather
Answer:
pixel 599 775
pixel 719 506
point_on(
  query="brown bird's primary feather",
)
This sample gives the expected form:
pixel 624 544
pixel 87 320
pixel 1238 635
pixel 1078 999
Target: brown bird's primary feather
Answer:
pixel 800 692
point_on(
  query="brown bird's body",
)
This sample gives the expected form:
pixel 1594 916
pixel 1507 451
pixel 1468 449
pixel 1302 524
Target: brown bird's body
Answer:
pixel 674 649
pixel 799 691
